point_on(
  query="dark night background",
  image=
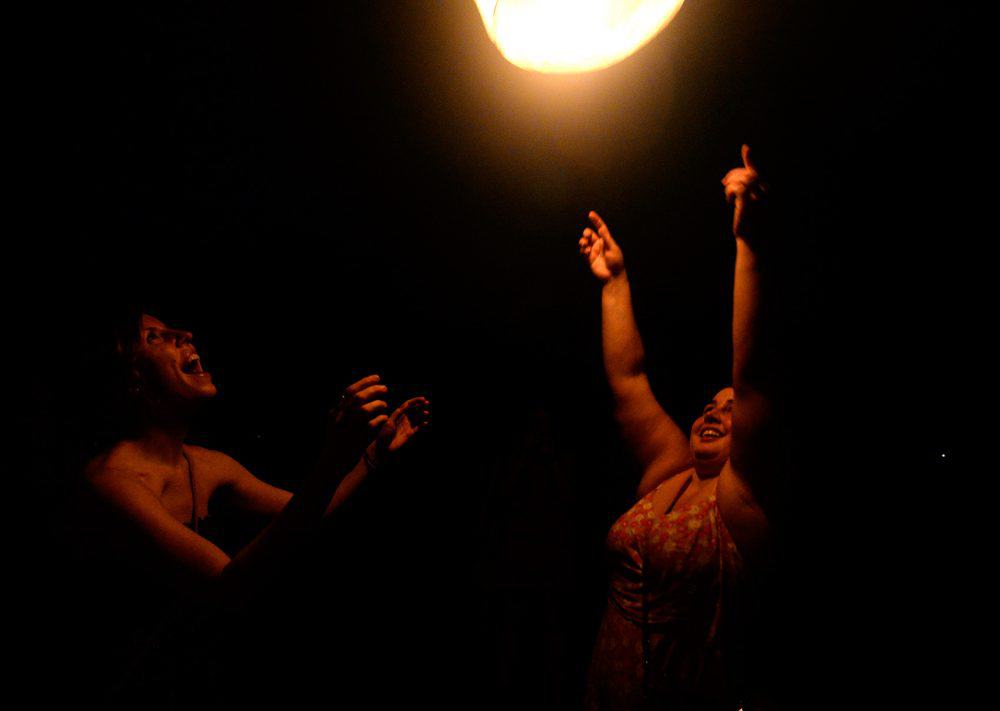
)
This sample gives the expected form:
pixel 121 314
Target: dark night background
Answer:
pixel 323 190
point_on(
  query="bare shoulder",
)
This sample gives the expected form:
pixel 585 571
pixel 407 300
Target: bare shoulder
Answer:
pixel 213 458
pixel 241 490
pixel 215 468
pixel 116 466
pixel 115 482
pixel 672 480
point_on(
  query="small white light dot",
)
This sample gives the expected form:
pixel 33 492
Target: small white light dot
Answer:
pixel 943 455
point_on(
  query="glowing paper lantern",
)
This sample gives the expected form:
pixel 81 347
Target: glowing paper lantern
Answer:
pixel 564 36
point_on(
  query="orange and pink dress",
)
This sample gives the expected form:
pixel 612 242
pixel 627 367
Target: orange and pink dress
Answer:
pixel 668 638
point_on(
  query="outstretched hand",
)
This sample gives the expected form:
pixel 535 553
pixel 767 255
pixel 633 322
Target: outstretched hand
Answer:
pixel 406 421
pixel 601 250
pixel 744 190
pixel 358 416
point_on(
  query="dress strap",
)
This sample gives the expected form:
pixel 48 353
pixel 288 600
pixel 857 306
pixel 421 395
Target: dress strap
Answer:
pixel 194 492
pixel 677 497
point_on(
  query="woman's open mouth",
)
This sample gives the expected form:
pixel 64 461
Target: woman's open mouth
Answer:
pixel 710 433
pixel 192 366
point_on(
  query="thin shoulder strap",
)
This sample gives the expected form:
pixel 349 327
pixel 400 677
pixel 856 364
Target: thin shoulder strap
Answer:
pixel 194 492
pixel 677 497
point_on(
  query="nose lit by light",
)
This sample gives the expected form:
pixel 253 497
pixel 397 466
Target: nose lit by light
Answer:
pixel 567 36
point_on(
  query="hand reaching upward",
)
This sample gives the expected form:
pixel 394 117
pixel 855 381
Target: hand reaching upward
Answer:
pixel 357 417
pixel 601 250
pixel 743 190
pixel 407 420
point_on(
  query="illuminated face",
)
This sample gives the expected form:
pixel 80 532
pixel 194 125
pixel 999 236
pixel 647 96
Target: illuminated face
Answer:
pixel 710 433
pixel 169 366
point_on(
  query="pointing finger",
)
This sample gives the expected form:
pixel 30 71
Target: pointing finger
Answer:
pixel 602 229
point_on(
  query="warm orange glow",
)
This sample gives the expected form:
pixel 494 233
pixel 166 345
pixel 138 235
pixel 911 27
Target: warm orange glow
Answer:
pixel 565 36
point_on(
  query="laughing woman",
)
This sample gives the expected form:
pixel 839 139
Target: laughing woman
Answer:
pixel 151 492
pixel 679 554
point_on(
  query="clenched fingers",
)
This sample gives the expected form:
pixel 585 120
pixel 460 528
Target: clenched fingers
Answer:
pixel 591 243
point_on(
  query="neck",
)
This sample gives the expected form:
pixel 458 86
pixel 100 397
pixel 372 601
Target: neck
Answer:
pixel 708 469
pixel 163 440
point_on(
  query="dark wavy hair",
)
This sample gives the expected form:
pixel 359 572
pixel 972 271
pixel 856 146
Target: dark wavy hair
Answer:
pixel 108 404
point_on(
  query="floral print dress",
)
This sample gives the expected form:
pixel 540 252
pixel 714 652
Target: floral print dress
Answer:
pixel 667 631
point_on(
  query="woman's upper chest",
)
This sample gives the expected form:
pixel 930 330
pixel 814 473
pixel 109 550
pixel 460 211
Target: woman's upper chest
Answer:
pixel 184 490
pixel 675 520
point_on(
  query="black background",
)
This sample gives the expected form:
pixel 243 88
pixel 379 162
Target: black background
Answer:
pixel 324 190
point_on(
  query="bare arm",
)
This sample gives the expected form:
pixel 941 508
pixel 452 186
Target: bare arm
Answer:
pixel 246 493
pixel 750 473
pixel 659 445
pixel 250 494
pixel 194 563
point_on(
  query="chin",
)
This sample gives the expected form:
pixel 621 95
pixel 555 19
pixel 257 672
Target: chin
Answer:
pixel 202 391
pixel 710 452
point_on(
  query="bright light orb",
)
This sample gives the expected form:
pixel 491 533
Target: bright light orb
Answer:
pixel 567 36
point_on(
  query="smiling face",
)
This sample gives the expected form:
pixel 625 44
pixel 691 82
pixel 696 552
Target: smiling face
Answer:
pixel 710 433
pixel 168 366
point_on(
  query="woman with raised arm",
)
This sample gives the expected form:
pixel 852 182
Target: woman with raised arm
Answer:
pixel 151 493
pixel 668 640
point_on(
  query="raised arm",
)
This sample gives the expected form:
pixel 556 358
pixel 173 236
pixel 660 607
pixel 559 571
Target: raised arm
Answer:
pixel 746 482
pixel 403 424
pixel 245 492
pixel 659 445
pixel 168 547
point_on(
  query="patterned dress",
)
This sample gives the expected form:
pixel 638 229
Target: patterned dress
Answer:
pixel 665 641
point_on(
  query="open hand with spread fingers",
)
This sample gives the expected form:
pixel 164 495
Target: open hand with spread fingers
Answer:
pixel 601 250
pixel 406 421
pixel 744 191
